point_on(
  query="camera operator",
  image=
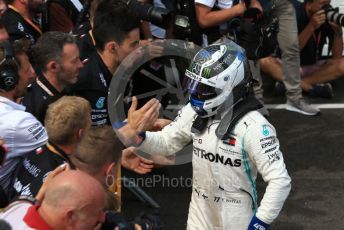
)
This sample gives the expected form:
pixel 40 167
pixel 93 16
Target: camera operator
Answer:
pixel 287 39
pixel 314 29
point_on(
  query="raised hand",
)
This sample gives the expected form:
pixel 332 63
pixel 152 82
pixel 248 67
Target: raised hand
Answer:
pixel 318 19
pixel 143 119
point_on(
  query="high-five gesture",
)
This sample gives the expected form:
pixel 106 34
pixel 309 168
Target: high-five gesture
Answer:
pixel 144 118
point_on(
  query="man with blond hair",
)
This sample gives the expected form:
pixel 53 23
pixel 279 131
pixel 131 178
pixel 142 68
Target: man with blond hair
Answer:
pixel 65 122
pixel 72 200
pixel 98 154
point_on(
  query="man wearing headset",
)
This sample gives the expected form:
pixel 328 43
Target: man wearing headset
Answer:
pixel 20 130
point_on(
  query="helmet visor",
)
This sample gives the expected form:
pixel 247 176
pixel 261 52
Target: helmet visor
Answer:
pixel 200 90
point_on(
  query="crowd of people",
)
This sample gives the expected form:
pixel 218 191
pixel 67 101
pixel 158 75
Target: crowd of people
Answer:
pixel 62 154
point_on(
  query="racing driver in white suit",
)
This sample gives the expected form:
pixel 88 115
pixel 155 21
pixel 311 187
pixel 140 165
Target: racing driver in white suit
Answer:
pixel 231 143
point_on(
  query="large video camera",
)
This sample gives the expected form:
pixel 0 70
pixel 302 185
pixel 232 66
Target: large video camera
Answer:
pixel 144 220
pixel 333 15
pixel 156 15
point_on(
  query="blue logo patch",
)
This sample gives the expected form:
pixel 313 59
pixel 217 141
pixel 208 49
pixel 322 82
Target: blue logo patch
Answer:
pixel 100 103
pixel 240 55
pixel 265 130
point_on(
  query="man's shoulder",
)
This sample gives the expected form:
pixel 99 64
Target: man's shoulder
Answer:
pixel 10 16
pixel 45 159
pixel 25 126
pixel 17 27
pixel 15 213
pixel 35 92
pixel 14 116
pixel 34 169
pixel 251 121
pixel 14 23
pixel 19 208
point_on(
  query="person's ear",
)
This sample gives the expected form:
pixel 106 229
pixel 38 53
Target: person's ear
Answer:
pixel 112 46
pixel 69 218
pixel 24 2
pixel 53 66
pixel 111 169
pixel 79 133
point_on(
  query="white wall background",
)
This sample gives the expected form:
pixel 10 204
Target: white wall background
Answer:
pixel 338 3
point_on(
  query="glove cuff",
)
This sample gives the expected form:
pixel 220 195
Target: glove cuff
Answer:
pixel 257 224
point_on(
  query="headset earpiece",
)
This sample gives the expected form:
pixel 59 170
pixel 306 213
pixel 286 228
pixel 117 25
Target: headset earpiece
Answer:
pixel 8 68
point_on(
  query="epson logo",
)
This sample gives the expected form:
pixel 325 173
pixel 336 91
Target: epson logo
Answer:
pixel 269 143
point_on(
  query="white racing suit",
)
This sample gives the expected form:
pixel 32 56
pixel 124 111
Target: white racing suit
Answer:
pixel 224 172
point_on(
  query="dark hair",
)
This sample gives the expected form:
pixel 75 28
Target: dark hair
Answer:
pixel 2 26
pixel 98 146
pixel 113 20
pixel 8 2
pixel 21 46
pixel 50 47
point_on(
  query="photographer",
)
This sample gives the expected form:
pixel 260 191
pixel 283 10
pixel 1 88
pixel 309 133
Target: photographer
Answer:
pixel 314 29
pixel 287 39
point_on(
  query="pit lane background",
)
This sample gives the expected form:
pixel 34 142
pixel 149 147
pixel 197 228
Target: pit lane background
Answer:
pixel 314 155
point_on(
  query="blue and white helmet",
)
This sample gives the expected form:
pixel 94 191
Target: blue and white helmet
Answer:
pixel 213 75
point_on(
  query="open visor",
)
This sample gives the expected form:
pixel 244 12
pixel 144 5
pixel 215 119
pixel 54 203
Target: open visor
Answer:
pixel 199 90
